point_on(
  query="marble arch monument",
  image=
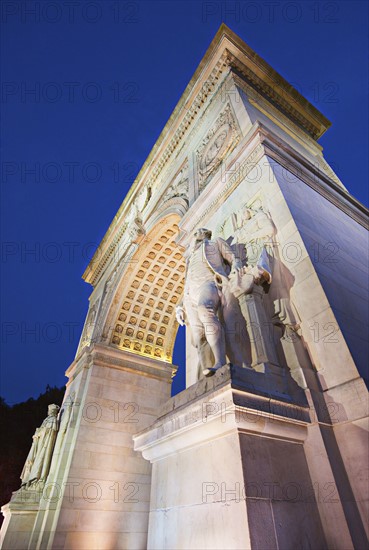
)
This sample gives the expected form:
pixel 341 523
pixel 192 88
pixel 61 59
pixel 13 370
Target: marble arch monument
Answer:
pixel 267 445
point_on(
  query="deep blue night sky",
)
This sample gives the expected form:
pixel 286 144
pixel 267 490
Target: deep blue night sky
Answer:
pixel 107 77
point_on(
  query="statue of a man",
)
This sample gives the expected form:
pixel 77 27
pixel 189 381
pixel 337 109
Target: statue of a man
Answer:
pixel 207 271
pixel 38 461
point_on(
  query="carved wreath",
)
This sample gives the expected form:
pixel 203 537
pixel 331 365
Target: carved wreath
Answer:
pixel 219 142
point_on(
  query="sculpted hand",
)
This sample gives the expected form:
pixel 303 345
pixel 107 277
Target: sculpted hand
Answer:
pixel 237 267
pixel 180 315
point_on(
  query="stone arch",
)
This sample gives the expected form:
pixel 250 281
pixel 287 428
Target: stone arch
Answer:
pixel 174 205
pixel 142 317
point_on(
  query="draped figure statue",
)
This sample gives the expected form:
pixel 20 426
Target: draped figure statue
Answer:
pixel 209 308
pixel 37 465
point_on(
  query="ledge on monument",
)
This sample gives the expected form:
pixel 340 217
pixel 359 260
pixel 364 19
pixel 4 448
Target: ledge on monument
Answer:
pixel 102 355
pixel 24 500
pixel 246 398
pixel 273 391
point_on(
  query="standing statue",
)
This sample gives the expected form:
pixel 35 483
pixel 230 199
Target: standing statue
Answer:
pixel 208 306
pixel 38 461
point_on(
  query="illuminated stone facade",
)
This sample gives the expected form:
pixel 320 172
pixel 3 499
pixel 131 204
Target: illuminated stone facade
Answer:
pixel 271 451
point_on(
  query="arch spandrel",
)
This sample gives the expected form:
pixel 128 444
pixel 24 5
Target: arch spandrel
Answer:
pixel 145 323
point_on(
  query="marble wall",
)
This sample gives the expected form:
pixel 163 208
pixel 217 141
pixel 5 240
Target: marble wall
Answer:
pixel 338 247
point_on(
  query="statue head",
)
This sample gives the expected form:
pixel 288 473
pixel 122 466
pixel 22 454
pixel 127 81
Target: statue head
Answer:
pixel 201 233
pixel 53 410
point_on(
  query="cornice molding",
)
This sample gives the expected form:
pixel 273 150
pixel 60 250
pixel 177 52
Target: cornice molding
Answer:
pixel 107 356
pixel 270 85
pixel 310 174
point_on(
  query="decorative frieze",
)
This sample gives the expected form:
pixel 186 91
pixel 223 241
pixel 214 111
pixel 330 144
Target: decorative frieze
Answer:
pixel 236 178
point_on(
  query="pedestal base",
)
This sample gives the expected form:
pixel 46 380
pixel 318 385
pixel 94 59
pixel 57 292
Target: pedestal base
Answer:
pixel 230 468
pixel 19 518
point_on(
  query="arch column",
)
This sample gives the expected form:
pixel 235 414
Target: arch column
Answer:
pixel 99 488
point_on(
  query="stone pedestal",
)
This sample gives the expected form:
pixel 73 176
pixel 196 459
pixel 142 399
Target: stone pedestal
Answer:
pixel 230 469
pixel 19 518
pixel 259 328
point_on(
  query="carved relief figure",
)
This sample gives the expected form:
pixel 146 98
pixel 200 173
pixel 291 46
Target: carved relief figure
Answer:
pixel 254 241
pixel 218 142
pixel 255 229
pixel 179 186
pixel 215 147
pixel 66 414
pixel 90 324
pixel 142 200
pixel 38 461
pixel 283 278
pixel 208 305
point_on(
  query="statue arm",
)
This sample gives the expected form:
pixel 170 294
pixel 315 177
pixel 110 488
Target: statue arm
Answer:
pixel 228 254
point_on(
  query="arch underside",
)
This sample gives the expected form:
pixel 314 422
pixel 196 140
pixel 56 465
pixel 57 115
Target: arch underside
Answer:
pixel 146 323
